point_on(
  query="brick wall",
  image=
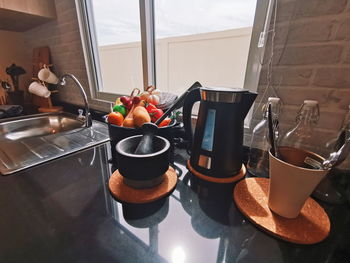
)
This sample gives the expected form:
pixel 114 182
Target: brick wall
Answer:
pixel 311 61
pixel 63 38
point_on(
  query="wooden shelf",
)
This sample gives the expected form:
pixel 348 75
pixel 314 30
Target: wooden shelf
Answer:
pixel 21 15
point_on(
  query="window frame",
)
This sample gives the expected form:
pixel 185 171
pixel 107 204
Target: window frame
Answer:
pixel 262 18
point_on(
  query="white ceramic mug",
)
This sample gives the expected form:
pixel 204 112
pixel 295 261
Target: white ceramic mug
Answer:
pixel 39 89
pixel 290 184
pixel 46 75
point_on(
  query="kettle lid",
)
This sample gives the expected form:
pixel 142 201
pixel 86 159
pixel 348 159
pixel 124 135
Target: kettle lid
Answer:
pixel 224 89
pixel 223 94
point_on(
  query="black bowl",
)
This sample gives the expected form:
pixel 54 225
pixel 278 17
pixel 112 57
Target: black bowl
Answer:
pixel 142 166
pixel 117 133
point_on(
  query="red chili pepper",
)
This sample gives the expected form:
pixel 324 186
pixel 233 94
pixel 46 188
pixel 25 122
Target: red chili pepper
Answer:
pixel 165 122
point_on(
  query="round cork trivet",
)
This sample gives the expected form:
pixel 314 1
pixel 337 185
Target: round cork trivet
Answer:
pixel 310 227
pixel 226 180
pixel 124 193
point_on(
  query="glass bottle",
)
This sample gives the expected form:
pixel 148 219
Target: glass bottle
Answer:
pixel 336 143
pixel 301 135
pixel 330 190
pixel 258 163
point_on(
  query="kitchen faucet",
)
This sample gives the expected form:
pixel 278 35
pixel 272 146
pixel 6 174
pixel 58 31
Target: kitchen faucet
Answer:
pixel 62 82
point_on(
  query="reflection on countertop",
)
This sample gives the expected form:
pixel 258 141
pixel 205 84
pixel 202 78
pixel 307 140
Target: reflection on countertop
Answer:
pixel 62 211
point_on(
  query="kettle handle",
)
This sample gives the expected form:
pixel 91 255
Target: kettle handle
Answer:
pixel 192 97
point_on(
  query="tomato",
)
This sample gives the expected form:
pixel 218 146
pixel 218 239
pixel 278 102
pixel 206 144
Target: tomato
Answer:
pixel 136 100
pixel 150 107
pixel 155 114
pixel 120 108
pixel 115 118
pixel 129 105
pixel 165 122
pixel 125 100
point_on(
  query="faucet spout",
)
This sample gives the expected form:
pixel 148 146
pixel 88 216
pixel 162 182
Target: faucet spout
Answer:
pixel 88 120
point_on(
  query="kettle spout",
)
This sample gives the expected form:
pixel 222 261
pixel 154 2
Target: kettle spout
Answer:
pixel 247 102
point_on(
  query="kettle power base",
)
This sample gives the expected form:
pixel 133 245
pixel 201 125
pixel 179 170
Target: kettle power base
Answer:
pixel 310 227
pixel 226 180
pixel 126 194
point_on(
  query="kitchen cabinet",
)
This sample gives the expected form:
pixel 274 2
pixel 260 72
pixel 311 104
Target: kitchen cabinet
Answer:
pixel 21 15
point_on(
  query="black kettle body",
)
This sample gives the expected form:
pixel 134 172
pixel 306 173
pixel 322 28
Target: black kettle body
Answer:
pixel 217 144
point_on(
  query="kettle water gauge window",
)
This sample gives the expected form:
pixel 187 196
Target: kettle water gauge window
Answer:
pixel 170 44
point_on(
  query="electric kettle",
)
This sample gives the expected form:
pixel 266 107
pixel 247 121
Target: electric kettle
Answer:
pixel 217 144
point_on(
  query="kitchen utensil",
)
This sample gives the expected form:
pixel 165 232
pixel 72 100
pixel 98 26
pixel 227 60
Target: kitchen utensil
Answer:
pixel 145 145
pixel 341 139
pixel 258 162
pixel 336 158
pixel 15 71
pixel 5 85
pixel 177 103
pixel 143 167
pixel 290 183
pixel 3 96
pixel 117 133
pixel 149 129
pixel 217 144
pixel 272 133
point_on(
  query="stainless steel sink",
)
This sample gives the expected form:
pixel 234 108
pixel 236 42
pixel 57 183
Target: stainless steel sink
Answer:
pixel 35 139
pixel 39 125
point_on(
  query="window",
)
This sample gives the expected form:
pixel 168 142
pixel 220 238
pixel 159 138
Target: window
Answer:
pixel 202 40
pixel 118 35
pixel 171 44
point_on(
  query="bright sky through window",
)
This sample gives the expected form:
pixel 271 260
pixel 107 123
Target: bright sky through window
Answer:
pixel 117 21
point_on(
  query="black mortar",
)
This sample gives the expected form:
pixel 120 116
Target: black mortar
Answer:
pixel 142 167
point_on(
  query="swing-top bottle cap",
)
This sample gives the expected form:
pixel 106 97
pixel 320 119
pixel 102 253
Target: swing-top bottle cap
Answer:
pixel 274 100
pixel 310 103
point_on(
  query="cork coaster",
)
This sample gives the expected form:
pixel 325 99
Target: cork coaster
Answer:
pixel 226 180
pixel 310 227
pixel 124 193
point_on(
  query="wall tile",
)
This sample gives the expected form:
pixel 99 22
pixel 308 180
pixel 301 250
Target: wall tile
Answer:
pixel 316 54
pixel 333 77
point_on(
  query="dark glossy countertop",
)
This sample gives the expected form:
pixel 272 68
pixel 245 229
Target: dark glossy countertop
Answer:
pixel 62 211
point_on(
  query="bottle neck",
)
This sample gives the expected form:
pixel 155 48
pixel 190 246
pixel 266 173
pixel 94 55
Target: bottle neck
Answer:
pixel 307 118
pixel 274 109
